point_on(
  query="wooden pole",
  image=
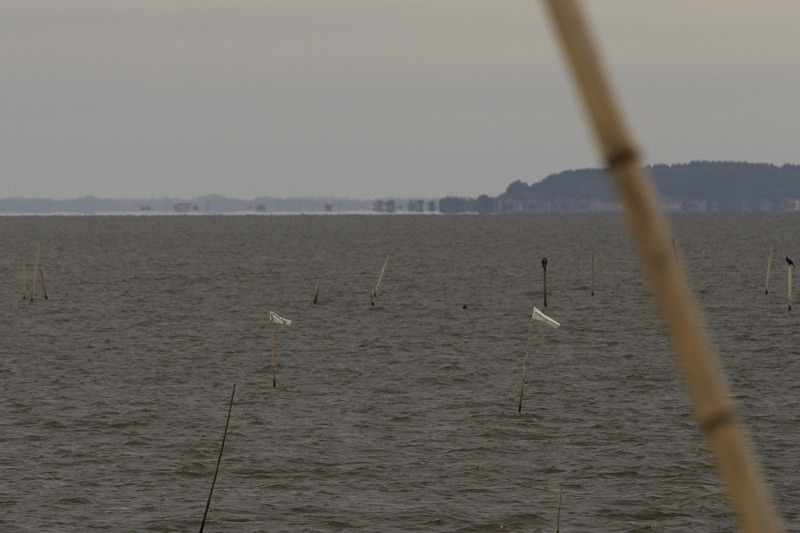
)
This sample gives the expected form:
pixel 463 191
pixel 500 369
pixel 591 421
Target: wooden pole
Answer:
pixel 713 406
pixel 24 278
pixel 44 283
pixel 219 460
pixel 769 262
pixel 592 270
pixel 272 343
pixel 316 293
pixel 35 268
pixel 525 364
pixel 381 275
pixel 544 279
pixel 789 285
pixel 558 516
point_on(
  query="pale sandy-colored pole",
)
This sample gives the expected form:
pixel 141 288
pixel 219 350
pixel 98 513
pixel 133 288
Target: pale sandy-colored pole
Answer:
pixel 44 283
pixel 525 364
pixel 24 278
pixel 35 268
pixel 558 516
pixel 715 411
pixel 377 285
pixel 769 263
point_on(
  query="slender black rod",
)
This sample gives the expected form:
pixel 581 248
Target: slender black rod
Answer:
pixel 219 459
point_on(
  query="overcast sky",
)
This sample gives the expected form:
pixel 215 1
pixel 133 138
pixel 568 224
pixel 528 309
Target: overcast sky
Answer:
pixel 373 99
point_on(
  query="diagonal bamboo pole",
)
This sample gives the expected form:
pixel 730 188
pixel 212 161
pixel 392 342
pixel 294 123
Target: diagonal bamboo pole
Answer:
pixel 714 409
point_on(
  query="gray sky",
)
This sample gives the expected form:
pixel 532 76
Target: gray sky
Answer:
pixel 372 99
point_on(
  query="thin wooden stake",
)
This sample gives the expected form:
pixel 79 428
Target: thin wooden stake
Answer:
pixel 24 278
pixel 789 283
pixel 44 283
pixel 377 285
pixel 35 268
pixel 714 408
pixel 525 364
pixel 219 460
pixel 769 263
pixel 558 516
pixel 316 293
pixel 544 279
pixel 372 296
pixel 272 342
pixel 592 270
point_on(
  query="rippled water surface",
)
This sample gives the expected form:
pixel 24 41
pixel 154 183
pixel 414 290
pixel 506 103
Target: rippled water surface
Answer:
pixel 400 416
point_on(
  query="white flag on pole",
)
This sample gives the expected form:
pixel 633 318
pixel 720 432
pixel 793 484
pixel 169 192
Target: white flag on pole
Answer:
pixel 277 319
pixel 538 315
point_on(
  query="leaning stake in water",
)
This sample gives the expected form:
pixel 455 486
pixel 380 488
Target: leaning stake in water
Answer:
pixel 592 270
pixel 713 406
pixel 383 269
pixel 35 268
pixel 316 293
pixel 219 459
pixel 535 315
pixel 273 318
pixel 769 262
pixel 44 283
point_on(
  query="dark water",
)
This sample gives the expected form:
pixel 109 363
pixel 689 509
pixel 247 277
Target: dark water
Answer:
pixel 397 417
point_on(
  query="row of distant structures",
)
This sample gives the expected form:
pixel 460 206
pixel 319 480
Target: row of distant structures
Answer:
pixel 488 205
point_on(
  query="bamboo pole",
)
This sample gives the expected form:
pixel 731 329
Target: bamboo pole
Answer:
pixel 592 270
pixel 219 460
pixel 35 267
pixel 525 364
pixel 714 408
pixel 769 263
pixel 272 343
pixel 381 275
pixel 44 283
pixel 789 285
pixel 24 278
pixel 544 279
pixel 558 516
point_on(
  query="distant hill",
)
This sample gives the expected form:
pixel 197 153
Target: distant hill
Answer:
pixel 699 186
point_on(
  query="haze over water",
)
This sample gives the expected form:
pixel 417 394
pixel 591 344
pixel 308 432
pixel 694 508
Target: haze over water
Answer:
pixel 396 417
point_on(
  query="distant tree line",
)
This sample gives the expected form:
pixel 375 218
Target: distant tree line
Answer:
pixel 696 186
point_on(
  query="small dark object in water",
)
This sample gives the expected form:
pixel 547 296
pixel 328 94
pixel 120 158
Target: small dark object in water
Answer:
pixel 464 306
pixel 791 263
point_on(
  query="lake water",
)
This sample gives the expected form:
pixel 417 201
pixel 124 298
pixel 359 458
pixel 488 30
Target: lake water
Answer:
pixel 402 416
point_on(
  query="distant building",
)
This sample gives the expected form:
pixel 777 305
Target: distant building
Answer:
pixel 185 207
